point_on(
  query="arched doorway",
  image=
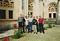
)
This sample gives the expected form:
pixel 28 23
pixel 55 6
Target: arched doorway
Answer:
pixel 52 9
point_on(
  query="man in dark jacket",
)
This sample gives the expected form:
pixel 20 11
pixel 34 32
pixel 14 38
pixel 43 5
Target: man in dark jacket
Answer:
pixel 20 23
pixel 34 22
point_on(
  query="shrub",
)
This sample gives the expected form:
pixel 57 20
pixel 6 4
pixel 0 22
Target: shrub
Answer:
pixel 49 25
pixel 45 28
pixel 4 28
pixel 9 26
pixel 17 34
pixel 53 25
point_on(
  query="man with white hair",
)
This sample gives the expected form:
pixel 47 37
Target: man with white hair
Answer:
pixel 20 23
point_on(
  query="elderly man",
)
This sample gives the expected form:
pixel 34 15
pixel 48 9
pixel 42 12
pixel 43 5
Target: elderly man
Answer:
pixel 21 23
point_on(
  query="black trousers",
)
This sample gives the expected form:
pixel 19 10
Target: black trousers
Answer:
pixel 21 26
pixel 41 28
pixel 37 27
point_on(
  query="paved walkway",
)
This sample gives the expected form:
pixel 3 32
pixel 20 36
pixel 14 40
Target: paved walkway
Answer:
pixel 52 34
pixel 7 33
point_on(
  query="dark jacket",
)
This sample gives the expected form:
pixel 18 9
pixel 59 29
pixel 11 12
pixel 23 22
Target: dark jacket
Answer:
pixel 23 21
pixel 34 21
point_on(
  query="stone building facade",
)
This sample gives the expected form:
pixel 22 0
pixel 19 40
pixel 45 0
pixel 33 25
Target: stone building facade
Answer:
pixel 48 9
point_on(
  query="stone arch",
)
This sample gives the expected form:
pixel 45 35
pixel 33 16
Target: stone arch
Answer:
pixel 52 7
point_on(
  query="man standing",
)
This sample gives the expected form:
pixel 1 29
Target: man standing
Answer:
pixel 41 23
pixel 30 24
pixel 20 23
pixel 34 22
pixel 26 23
pixel 23 22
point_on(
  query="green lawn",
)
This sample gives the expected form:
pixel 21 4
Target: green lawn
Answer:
pixel 52 34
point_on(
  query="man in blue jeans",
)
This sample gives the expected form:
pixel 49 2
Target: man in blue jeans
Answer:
pixel 30 24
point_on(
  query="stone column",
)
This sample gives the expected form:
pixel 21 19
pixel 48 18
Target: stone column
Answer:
pixel 41 8
pixel 46 13
pixel 25 7
pixel 7 14
pixel 17 9
pixel 36 8
pixel 58 13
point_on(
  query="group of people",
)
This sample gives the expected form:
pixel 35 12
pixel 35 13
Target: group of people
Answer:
pixel 31 24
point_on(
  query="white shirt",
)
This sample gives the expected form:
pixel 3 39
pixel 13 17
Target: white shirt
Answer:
pixel 30 19
pixel 26 21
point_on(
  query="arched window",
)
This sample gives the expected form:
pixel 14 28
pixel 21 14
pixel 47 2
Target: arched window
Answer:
pixel 30 7
pixel 52 7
